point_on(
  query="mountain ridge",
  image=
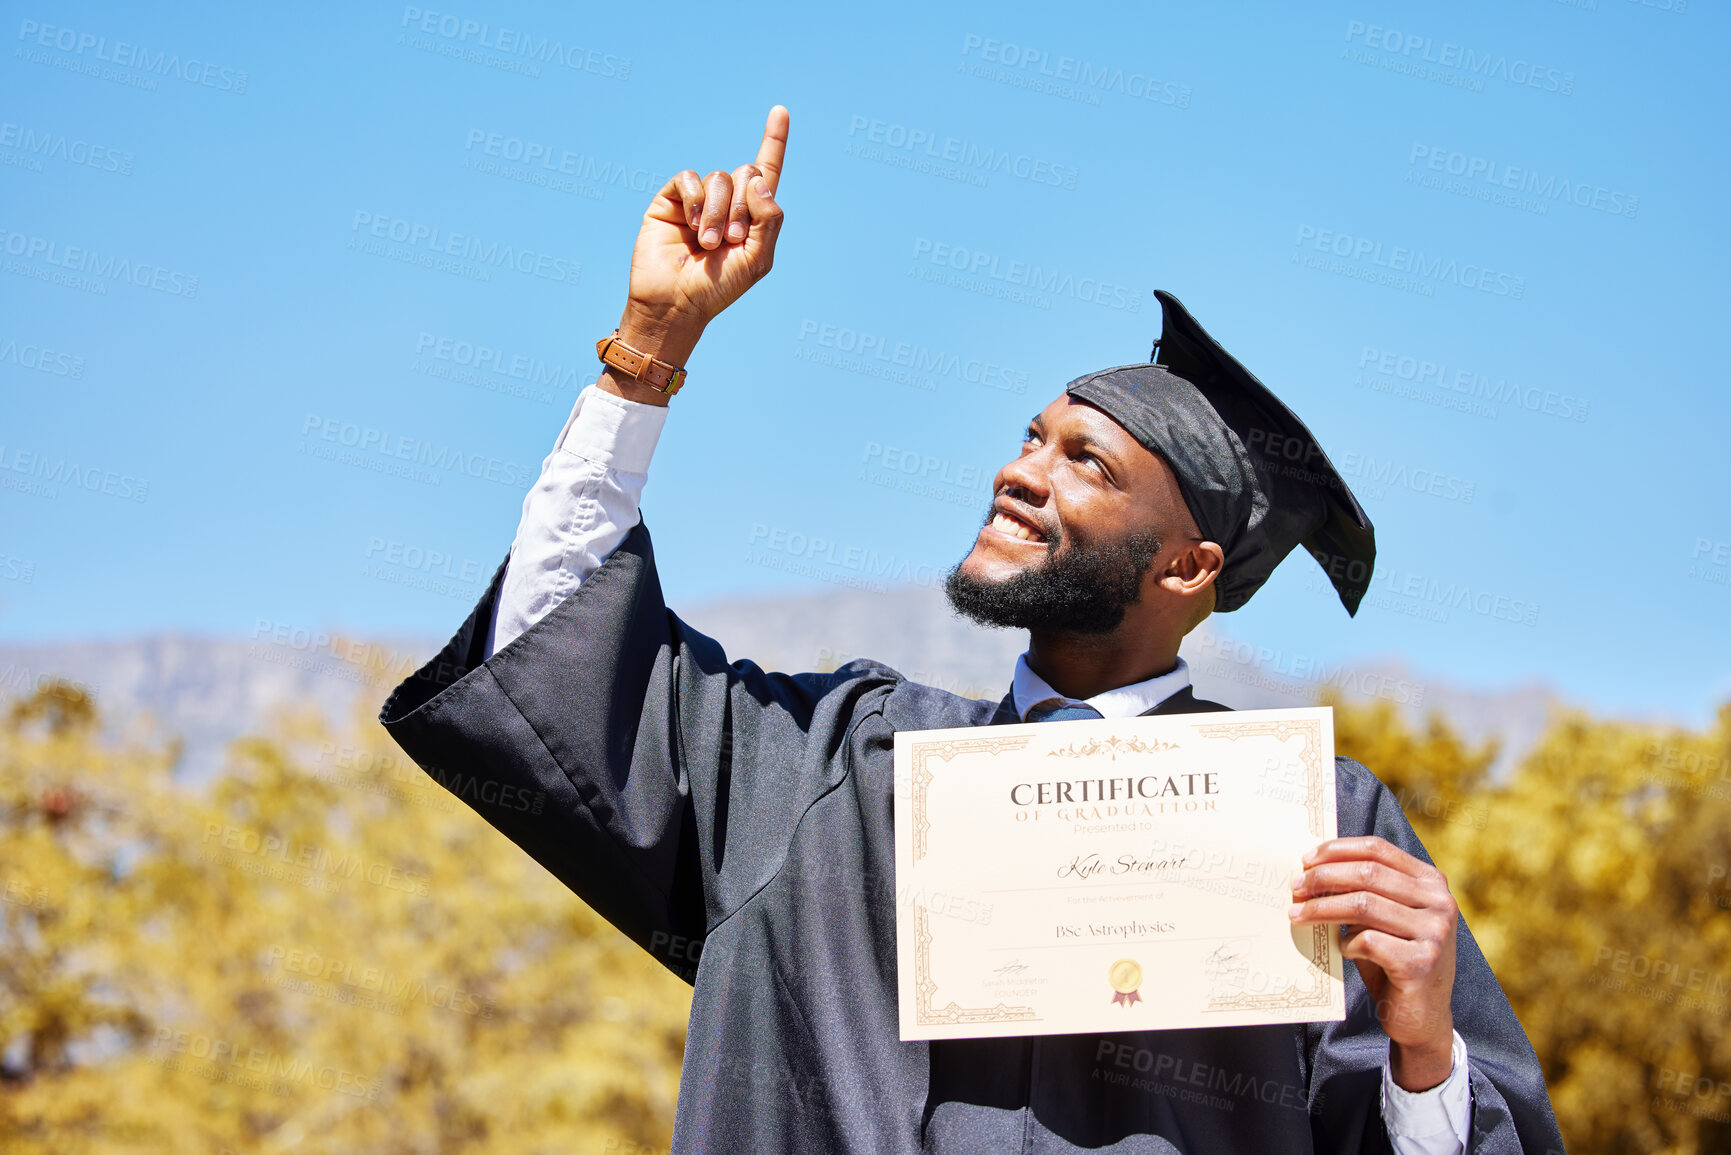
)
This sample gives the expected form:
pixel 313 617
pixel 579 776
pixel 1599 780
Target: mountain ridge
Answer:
pixel 210 690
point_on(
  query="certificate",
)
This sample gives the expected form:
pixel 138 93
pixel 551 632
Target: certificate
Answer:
pixel 1113 875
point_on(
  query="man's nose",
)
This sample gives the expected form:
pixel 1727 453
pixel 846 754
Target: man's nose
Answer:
pixel 1026 473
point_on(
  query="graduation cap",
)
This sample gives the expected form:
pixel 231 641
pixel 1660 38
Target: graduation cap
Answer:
pixel 1254 478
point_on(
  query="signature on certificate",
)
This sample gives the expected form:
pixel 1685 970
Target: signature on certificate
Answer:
pixel 1228 966
pixel 1013 967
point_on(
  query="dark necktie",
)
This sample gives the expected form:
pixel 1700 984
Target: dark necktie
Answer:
pixel 1058 710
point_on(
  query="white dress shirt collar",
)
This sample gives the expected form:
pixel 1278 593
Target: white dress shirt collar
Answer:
pixel 1028 689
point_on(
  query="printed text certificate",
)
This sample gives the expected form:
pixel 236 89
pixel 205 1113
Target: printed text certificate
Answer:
pixel 1117 875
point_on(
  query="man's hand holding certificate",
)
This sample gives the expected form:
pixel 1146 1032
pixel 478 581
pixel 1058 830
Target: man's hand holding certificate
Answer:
pixel 1399 922
pixel 1138 874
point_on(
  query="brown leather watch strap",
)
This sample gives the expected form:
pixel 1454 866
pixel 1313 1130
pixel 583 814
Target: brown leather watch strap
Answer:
pixel 640 366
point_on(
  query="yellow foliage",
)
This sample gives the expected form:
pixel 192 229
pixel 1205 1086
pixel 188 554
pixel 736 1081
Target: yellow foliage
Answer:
pixel 1596 881
pixel 323 951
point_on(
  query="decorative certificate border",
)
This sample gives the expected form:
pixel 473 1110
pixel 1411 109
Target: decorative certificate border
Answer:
pixel 1318 994
pixel 925 987
pixel 923 752
pixel 1311 731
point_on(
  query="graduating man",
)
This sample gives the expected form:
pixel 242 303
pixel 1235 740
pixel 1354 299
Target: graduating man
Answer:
pixel 739 824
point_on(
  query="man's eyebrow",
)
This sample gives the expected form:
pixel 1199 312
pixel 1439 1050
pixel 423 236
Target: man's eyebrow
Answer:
pixel 1092 442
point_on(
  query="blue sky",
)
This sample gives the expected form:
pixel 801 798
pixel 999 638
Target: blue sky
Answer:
pixel 295 300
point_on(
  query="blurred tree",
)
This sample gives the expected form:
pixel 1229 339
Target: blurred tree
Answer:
pixel 1595 879
pixel 324 951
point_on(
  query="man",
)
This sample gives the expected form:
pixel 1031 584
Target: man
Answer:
pixel 743 820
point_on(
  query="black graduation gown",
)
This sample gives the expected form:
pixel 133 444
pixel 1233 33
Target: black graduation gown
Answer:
pixel 737 825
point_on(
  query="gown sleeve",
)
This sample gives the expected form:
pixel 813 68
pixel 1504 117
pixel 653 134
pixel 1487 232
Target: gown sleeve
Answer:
pixel 1511 1110
pixel 620 749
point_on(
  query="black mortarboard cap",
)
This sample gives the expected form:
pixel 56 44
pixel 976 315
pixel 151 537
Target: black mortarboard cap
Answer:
pixel 1255 479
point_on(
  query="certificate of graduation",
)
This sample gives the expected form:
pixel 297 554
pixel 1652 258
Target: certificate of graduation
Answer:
pixel 1116 875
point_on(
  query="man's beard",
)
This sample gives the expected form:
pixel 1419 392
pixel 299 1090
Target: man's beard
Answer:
pixel 1084 588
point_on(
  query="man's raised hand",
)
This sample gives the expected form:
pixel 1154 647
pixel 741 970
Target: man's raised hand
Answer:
pixel 703 243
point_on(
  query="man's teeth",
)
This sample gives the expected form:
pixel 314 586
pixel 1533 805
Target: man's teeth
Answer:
pixel 1014 528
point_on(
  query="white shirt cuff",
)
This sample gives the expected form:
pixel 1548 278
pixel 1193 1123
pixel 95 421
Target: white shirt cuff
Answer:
pixel 612 431
pixel 1432 1122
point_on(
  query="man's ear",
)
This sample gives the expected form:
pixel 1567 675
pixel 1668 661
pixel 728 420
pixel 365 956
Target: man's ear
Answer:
pixel 1192 570
pixel 1189 575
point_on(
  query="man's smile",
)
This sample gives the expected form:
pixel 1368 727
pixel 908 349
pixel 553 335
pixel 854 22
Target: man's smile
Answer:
pixel 1017 526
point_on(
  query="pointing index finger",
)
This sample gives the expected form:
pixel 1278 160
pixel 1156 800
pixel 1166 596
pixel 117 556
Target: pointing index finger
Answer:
pixel 774 147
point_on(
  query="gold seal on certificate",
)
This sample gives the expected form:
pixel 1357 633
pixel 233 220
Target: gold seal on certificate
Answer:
pixel 1125 977
pixel 1034 860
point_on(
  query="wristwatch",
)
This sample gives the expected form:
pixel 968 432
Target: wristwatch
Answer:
pixel 640 366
